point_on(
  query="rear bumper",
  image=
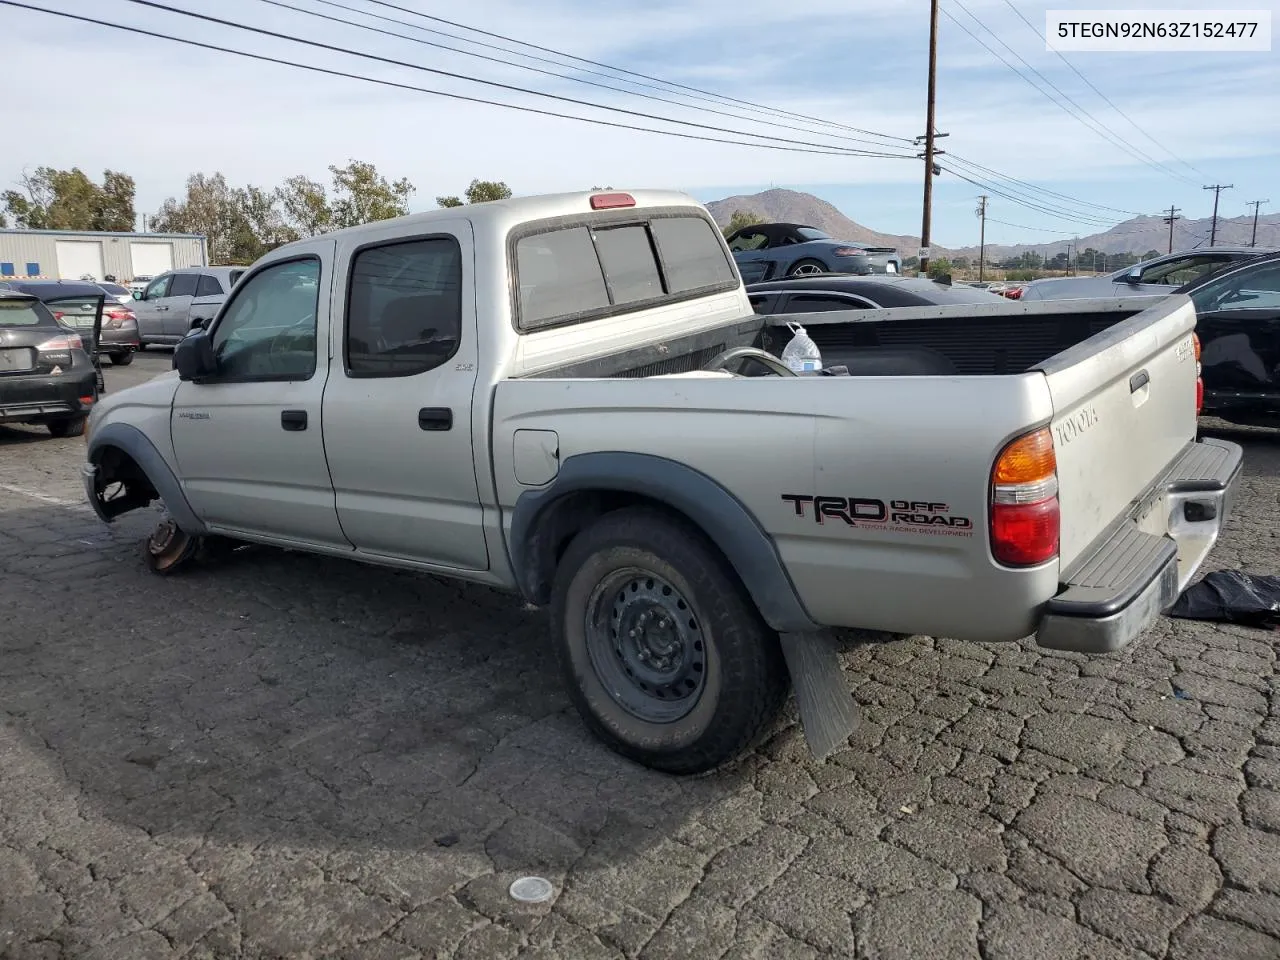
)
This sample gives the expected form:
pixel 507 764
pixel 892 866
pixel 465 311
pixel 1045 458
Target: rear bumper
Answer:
pixel 1122 584
pixel 38 398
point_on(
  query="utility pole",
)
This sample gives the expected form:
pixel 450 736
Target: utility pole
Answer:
pixel 1217 189
pixel 1169 219
pixel 1253 240
pixel 929 135
pixel 982 235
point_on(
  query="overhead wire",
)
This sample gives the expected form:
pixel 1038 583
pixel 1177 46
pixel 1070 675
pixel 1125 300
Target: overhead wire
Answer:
pixel 1057 214
pixel 1062 100
pixel 643 76
pixel 328 71
pixel 282 4
pixel 1036 30
pixel 391 61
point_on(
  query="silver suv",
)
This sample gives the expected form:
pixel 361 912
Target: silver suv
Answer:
pixel 171 304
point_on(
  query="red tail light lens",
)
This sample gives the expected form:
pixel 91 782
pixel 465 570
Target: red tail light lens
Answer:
pixel 1199 396
pixel 62 344
pixel 1026 521
pixel 612 201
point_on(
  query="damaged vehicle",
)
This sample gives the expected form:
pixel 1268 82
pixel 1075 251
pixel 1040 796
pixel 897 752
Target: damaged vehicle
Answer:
pixel 570 397
pixel 47 371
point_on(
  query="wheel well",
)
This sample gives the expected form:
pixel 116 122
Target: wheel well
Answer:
pixel 563 519
pixel 115 466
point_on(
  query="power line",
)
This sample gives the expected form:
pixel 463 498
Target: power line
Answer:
pixel 539 70
pixel 1057 212
pixel 1080 114
pixel 830 151
pixel 633 73
pixel 332 48
pixel 1109 101
pixel 1052 193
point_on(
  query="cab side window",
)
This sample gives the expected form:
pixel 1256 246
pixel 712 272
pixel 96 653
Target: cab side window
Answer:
pixel 209 286
pixel 268 329
pixel 404 308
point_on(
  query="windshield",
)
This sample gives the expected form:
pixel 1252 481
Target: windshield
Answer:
pixel 809 233
pixel 23 313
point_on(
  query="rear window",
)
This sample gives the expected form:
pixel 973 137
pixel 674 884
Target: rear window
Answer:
pixel 23 313
pixel 80 312
pixel 580 272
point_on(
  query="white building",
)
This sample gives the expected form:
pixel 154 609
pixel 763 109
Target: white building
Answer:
pixel 71 254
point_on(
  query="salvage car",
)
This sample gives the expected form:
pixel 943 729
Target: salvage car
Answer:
pixel 77 304
pixel 838 292
pixel 175 303
pixel 1238 322
pixel 765 251
pixel 542 394
pixel 46 375
pixel 1152 278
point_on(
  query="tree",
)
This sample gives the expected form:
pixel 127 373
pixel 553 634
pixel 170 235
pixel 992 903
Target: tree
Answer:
pixel 306 206
pixel 480 191
pixel 362 195
pixel 940 267
pixel 53 199
pixel 210 209
pixel 740 219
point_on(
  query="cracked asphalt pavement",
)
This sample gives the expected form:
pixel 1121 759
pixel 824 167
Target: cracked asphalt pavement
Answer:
pixel 279 755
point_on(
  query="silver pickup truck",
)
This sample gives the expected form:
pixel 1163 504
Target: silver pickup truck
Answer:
pixel 570 397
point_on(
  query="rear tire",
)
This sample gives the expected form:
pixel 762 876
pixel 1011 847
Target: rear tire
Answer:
pixel 122 359
pixel 806 268
pixel 665 656
pixel 67 427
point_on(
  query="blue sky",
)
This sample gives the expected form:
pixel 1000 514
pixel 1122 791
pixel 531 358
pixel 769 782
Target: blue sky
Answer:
pixel 159 111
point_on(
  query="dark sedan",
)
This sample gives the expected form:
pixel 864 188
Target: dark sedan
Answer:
pixel 1238 323
pixel 840 292
pixel 75 303
pixel 46 376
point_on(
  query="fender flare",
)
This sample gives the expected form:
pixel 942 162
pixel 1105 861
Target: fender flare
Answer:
pixel 132 441
pixel 723 518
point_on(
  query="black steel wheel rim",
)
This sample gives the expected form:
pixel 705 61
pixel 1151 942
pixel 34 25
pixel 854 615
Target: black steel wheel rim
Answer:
pixel 646 645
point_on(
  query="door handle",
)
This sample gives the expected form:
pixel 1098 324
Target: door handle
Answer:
pixel 293 419
pixel 1138 381
pixel 435 418
pixel 162 308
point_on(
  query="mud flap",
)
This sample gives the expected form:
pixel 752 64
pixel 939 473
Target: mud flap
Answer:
pixel 828 713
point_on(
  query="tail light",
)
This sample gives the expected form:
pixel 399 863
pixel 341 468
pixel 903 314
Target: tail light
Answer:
pixel 1025 517
pixel 1195 340
pixel 58 350
pixel 848 252
pixel 612 201
pixel 117 315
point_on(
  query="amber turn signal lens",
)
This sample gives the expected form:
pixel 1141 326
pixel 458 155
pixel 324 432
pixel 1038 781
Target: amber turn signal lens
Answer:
pixel 1029 459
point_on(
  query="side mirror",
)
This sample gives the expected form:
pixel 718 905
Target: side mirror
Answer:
pixel 1134 275
pixel 193 356
pixel 137 294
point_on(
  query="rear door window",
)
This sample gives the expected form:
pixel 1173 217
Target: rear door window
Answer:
pixel 184 285
pixel 209 286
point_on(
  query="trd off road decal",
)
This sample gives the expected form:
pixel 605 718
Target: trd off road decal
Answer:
pixel 897 516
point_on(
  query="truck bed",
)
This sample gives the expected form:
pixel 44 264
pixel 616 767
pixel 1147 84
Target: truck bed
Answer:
pixel 949 341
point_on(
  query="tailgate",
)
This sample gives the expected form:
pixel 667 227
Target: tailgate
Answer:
pixel 1124 409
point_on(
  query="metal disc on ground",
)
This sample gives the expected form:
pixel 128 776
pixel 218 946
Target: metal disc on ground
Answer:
pixel 531 890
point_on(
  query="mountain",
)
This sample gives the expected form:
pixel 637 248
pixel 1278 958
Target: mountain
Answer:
pixel 1141 234
pixel 1137 235
pixel 792 206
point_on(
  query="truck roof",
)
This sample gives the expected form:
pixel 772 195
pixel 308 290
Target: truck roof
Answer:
pixel 505 214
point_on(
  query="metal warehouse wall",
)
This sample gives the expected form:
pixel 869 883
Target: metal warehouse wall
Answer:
pixel 67 255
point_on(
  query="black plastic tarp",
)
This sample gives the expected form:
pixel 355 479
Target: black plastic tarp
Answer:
pixel 1232 596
